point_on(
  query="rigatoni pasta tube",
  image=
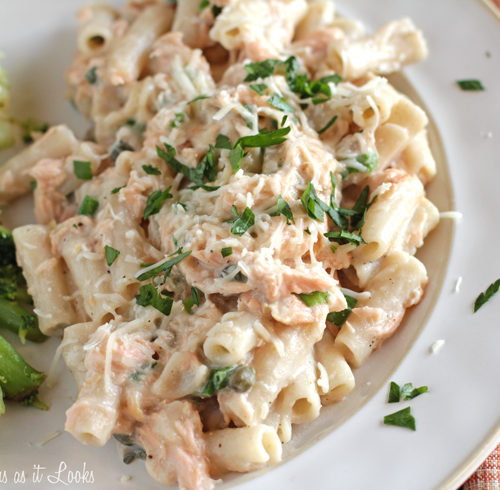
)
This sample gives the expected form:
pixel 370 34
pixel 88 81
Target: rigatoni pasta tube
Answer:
pixel 130 54
pixel 45 275
pixel 57 142
pixel 96 29
pixel 243 449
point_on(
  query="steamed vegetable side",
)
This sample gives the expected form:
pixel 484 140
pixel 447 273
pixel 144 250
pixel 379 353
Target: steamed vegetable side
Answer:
pixel 18 380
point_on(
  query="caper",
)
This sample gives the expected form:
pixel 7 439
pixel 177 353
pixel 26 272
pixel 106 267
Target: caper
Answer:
pixel 242 378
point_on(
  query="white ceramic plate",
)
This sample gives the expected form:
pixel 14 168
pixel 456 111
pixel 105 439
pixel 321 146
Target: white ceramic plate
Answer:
pixel 348 447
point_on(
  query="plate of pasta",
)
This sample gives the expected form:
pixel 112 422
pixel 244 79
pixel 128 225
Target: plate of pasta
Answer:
pixel 240 245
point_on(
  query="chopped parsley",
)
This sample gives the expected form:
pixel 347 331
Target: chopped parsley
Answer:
pixel 402 418
pixel 328 124
pixel 342 237
pixel 406 392
pixel 33 185
pixel 314 298
pixel 165 266
pixel 89 206
pixel 238 378
pixel 199 97
pixel 32 124
pixel 260 69
pixel 203 5
pixel 155 202
pixel 258 88
pixel 283 208
pixel 192 300
pixel 339 317
pixel 485 296
pixel 149 296
pixel 264 138
pixel 151 170
pixel 83 170
pixel 117 189
pixel 91 75
pixel 367 162
pixel 313 205
pixel 111 254
pixel 205 170
pixel 280 103
pixel 226 251
pixel 243 221
pixel 223 142
pixel 178 120
pixel 470 85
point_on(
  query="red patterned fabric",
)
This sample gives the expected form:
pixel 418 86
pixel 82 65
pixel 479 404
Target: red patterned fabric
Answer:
pixel 487 476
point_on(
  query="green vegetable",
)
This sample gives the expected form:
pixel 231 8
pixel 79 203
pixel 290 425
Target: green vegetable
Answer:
pixel 216 10
pixel 243 221
pixel 178 119
pixel 264 138
pixel 485 296
pixel 284 209
pixel 260 69
pixel 83 170
pixel 166 266
pixel 133 451
pixel 33 185
pixel 203 5
pixel 259 88
pixel 18 379
pixel 89 206
pixel 111 254
pixel 402 418
pixel 339 317
pixel 407 392
pixel 313 205
pixel 148 295
pixel 280 103
pixel 235 157
pixel 192 300
pixel 238 378
pixel 155 202
pixel 368 161
pixel 314 298
pixel 91 75
pixel 199 97
pixel 205 170
pixel 342 237
pixel 328 124
pixel 226 251
pixel 32 124
pixel 14 295
pixel 223 142
pixel 470 85
pixel 150 170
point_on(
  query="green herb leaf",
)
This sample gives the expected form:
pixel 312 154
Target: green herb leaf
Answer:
pixel 260 69
pixel 264 139
pixel 394 393
pixel 280 103
pixel 402 418
pixel 242 222
pixel 192 300
pixel 164 266
pixel 117 189
pixel 149 296
pixel 485 296
pixel 259 88
pixel 344 237
pixel 178 120
pixel 313 205
pixel 216 10
pixel 33 185
pixel 470 85
pixel 32 124
pixel 284 209
pixel 223 142
pixel 314 298
pixel 328 124
pixel 89 206
pixel 91 75
pixel 339 317
pixel 203 5
pixel 83 170
pixel 368 163
pixel 235 157
pixel 226 251
pixel 151 170
pixel 155 202
pixel 111 254
pixel 199 97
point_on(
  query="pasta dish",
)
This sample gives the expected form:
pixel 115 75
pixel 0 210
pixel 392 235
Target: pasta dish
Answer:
pixel 237 231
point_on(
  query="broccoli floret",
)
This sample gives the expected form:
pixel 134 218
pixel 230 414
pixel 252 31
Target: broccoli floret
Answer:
pixel 15 302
